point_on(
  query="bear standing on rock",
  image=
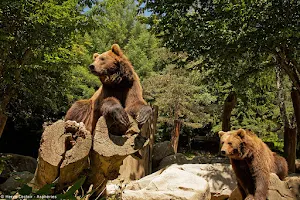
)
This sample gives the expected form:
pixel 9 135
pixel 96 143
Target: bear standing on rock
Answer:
pixel 252 162
pixel 119 95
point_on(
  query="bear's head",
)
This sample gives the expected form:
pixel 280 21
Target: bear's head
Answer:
pixel 233 143
pixel 112 67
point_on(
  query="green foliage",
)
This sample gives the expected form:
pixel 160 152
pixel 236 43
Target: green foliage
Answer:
pixel 226 29
pixel 25 190
pixel 179 94
pixel 235 43
pixel 36 46
pixel 119 24
pixel 82 83
pixel 70 193
pixel 47 190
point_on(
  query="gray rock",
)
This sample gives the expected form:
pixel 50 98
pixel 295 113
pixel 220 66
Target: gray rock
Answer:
pixel 160 151
pixel 16 180
pixel 16 163
pixel 212 160
pixel 200 160
pixel 177 158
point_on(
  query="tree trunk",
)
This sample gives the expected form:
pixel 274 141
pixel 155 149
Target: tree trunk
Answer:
pixel 67 150
pixel 295 94
pixel 3 119
pixel 229 104
pixel 4 102
pixel 289 130
pixel 134 168
pixel 63 153
pixel 290 138
pixel 290 66
pixel 175 134
pixel 6 98
pixel 281 97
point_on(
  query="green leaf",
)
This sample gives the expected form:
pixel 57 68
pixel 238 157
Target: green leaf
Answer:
pixel 25 190
pixel 46 189
pixel 70 193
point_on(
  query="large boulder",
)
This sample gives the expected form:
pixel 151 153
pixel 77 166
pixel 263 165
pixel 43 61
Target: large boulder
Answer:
pixel 278 190
pixel 177 158
pixel 160 151
pixel 220 177
pixel 293 182
pixel 16 181
pixel 16 163
pixel 172 183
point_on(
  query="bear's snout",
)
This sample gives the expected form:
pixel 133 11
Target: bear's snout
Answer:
pixel 92 67
pixel 223 152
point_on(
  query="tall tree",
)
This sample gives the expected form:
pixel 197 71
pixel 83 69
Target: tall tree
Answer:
pixel 257 33
pixel 180 96
pixel 119 24
pixel 227 31
pixel 35 44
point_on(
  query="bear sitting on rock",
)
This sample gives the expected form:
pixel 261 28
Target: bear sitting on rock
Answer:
pixel 252 162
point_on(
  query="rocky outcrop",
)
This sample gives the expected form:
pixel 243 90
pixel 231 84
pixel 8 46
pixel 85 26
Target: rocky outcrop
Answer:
pixel 293 182
pixel 172 183
pixel 220 177
pixel 278 190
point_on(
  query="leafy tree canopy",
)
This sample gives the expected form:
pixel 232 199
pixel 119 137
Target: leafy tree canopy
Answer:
pixel 226 28
pixel 35 46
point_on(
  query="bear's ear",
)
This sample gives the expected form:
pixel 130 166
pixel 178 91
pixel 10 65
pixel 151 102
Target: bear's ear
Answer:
pixel 115 48
pixel 95 56
pixel 221 133
pixel 241 133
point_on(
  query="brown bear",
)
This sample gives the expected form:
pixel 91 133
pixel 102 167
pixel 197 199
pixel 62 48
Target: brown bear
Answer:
pixel 120 93
pixel 252 162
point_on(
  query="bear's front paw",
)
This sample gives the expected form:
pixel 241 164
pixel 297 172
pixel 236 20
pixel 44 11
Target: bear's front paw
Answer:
pixel 250 197
pixel 117 120
pixel 143 115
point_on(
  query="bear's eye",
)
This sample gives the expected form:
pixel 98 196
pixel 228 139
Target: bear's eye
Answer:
pixel 222 142
pixel 229 143
pixel 101 58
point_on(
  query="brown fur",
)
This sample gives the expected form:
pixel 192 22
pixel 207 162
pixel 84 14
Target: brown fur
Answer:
pixel 120 93
pixel 252 162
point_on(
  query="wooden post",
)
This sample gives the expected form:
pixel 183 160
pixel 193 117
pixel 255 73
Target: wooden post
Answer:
pixel 175 134
pixel 229 104
pixel 134 168
pixel 152 130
